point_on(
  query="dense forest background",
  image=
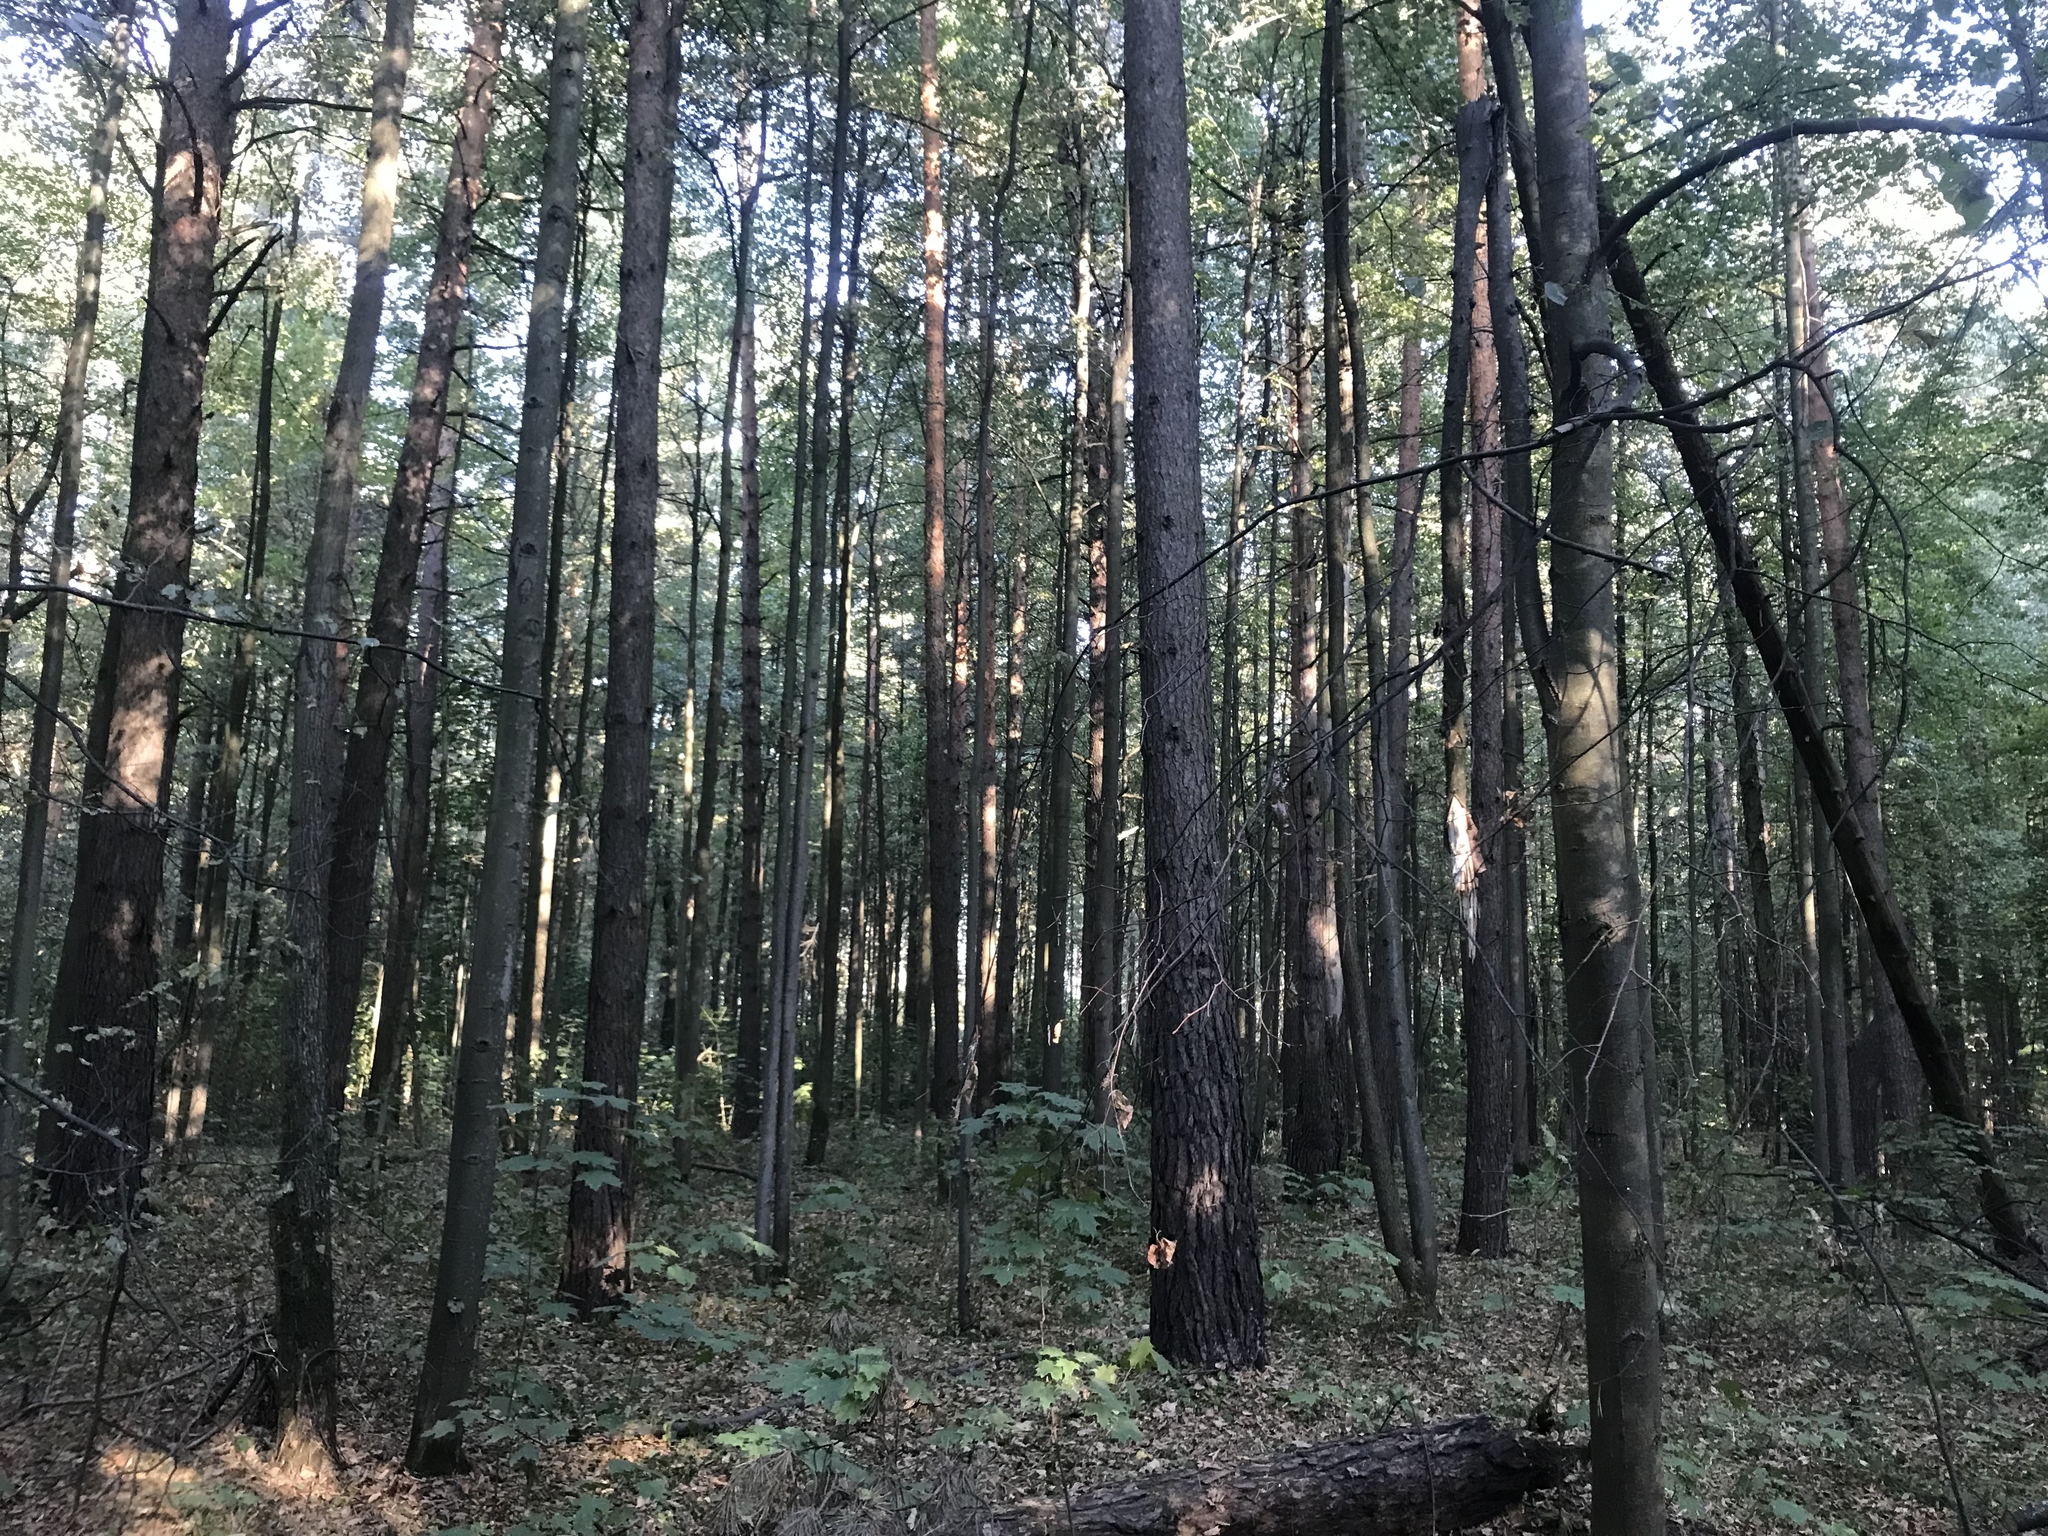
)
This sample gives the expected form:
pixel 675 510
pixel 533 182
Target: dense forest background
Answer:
pixel 771 766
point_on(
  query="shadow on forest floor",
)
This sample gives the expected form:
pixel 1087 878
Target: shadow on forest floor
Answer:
pixel 719 1401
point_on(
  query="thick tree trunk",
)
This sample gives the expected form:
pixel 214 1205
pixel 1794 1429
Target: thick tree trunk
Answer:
pixel 598 1271
pixel 103 1020
pixel 35 819
pixel 313 1045
pixel 1440 1477
pixel 1208 1305
pixel 449 1356
pixel 1598 900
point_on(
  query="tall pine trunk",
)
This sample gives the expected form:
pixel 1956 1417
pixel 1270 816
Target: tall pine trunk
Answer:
pixel 35 819
pixel 449 1355
pixel 598 1271
pixel 313 1052
pixel 103 1020
pixel 1208 1305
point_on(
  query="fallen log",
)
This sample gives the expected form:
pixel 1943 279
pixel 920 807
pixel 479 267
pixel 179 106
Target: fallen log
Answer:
pixel 1436 1477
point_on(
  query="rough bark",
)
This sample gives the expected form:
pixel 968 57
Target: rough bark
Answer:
pixel 1440 1477
pixel 449 1356
pixel 941 767
pixel 1208 1305
pixel 598 1271
pixel 412 874
pixel 35 818
pixel 314 1043
pixel 103 1021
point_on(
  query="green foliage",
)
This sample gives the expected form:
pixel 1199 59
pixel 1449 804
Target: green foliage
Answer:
pixel 1078 1383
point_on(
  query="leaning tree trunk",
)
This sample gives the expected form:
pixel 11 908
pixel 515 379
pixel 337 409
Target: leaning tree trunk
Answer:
pixel 599 1271
pixel 104 1016
pixel 1598 899
pixel 49 698
pixel 449 1356
pixel 1208 1305
pixel 1884 919
pixel 312 1052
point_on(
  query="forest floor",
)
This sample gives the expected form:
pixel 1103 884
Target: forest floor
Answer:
pixel 1796 1396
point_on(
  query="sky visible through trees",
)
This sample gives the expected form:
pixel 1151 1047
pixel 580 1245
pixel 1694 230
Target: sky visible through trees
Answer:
pixel 776 766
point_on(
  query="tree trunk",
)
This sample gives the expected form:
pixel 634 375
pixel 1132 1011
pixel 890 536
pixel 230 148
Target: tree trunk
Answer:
pixel 35 817
pixel 1598 901
pixel 1208 1305
pixel 749 982
pixel 598 1271
pixel 1885 1042
pixel 823 1073
pixel 941 766
pixel 1345 445
pixel 435 1444
pixel 1439 1477
pixel 772 1204
pixel 998 1064
pixel 1101 902
pixel 313 1046
pixel 1314 1136
pixel 1392 815
pixel 412 873
pixel 104 1013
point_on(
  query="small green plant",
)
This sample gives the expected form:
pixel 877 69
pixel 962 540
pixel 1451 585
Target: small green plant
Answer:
pixel 1078 1383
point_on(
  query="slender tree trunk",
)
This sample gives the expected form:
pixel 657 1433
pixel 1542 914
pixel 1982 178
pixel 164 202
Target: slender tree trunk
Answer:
pixel 1055 882
pixel 313 1045
pixel 107 977
pixel 1598 899
pixel 1886 1042
pixel 941 766
pixel 358 816
pixel 35 819
pixel 701 933
pixel 998 1064
pixel 598 1271
pixel 449 1356
pixel 412 873
pixel 772 1191
pixel 1102 899
pixel 749 982
pixel 1392 815
pixel 823 1073
pixel 1208 1305
pixel 1313 1133
pixel 1345 444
